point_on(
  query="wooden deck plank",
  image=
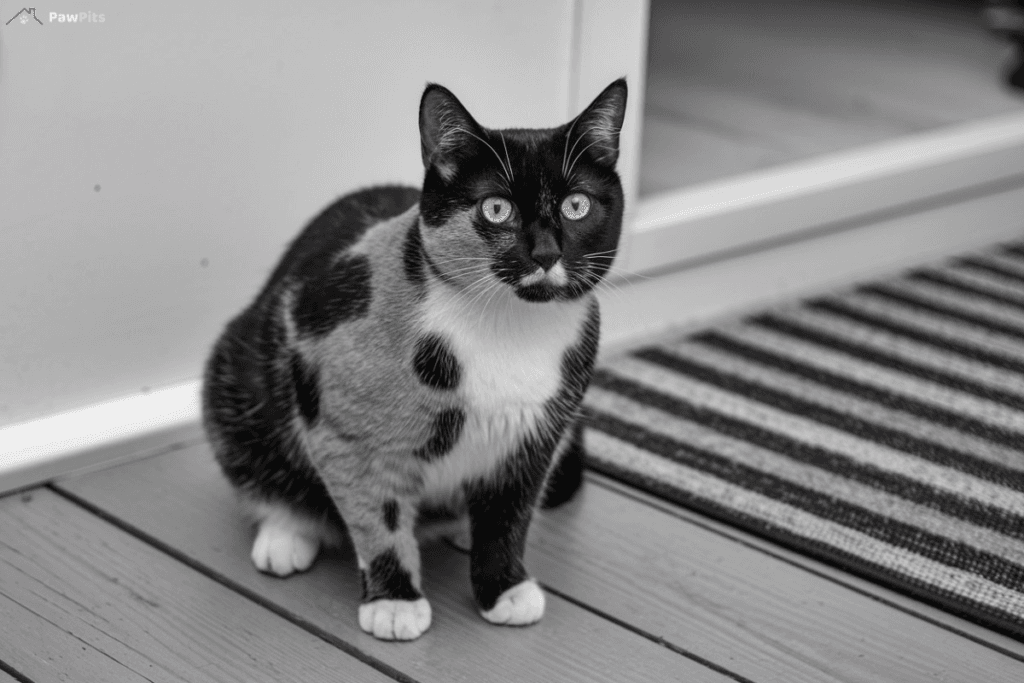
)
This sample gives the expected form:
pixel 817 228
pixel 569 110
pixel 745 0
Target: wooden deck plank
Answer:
pixel 872 591
pixel 181 500
pixel 43 651
pixel 727 602
pixel 104 606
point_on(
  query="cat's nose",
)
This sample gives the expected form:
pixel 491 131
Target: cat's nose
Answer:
pixel 546 259
pixel 545 253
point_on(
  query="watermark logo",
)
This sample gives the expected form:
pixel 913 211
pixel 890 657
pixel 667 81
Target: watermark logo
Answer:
pixel 25 15
pixel 28 14
pixel 77 18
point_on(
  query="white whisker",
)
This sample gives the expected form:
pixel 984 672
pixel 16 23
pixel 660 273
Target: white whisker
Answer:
pixel 602 285
pixel 496 155
pixel 459 272
pixel 583 151
pixel 626 274
pixel 507 158
pixel 470 293
pixel 568 135
pixel 487 304
pixel 461 260
pixel 582 135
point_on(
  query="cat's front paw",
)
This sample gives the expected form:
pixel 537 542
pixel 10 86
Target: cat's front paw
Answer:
pixel 395 619
pixel 520 605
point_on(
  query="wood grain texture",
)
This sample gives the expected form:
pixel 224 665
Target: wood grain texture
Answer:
pixel 701 592
pixel 873 591
pixel 86 600
pixel 727 602
pixel 806 78
pixel 183 501
pixel 44 651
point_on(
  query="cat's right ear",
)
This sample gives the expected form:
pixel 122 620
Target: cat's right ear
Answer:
pixel 446 129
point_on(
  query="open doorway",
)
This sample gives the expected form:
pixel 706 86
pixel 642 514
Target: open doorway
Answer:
pixel 735 86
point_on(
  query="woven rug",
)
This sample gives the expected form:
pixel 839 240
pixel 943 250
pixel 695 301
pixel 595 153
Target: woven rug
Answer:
pixel 879 429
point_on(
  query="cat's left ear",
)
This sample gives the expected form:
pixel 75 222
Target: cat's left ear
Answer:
pixel 446 130
pixel 599 124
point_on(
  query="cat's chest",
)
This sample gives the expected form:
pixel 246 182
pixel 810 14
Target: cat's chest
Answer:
pixel 509 365
pixel 508 354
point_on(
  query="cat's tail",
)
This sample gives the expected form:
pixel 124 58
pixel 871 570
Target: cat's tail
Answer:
pixel 567 476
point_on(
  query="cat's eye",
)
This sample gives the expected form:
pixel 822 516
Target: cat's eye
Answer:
pixel 576 206
pixel 496 209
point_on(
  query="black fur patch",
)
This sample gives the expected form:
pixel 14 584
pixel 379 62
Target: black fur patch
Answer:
pixel 567 476
pixel 387 579
pixel 578 360
pixel 391 514
pixel 338 227
pixel 412 256
pixel 248 404
pixel 307 388
pixel 447 429
pixel 500 511
pixel 342 293
pixel 435 364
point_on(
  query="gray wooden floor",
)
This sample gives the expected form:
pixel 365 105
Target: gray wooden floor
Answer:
pixel 142 573
pixel 740 85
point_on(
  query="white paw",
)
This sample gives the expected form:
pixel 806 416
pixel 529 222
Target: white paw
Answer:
pixel 521 604
pixel 395 619
pixel 281 549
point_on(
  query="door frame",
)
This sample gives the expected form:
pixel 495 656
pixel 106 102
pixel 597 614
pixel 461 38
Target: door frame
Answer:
pixel 825 194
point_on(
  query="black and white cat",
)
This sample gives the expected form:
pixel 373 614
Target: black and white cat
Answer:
pixel 416 352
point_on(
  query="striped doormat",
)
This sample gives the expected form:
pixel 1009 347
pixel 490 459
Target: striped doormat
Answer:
pixel 880 429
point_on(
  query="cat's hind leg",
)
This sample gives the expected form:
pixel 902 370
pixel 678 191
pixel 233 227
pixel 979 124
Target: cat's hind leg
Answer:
pixel 566 476
pixel 444 523
pixel 287 539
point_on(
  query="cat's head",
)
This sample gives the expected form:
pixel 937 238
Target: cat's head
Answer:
pixel 539 210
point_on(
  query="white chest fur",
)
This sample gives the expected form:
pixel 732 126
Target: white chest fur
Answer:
pixel 510 352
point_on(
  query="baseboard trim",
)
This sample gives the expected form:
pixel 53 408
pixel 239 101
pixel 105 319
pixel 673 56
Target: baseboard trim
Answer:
pixel 709 220
pixel 706 290
pixel 99 436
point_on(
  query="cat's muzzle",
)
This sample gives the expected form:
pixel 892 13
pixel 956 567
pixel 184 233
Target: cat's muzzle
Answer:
pixel 555 276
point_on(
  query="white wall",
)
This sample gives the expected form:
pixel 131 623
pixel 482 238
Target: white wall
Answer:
pixel 154 165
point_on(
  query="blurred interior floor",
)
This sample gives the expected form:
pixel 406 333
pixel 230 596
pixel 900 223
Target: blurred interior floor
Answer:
pixel 737 85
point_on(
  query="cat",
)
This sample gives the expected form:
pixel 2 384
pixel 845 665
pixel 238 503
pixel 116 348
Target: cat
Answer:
pixel 423 353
